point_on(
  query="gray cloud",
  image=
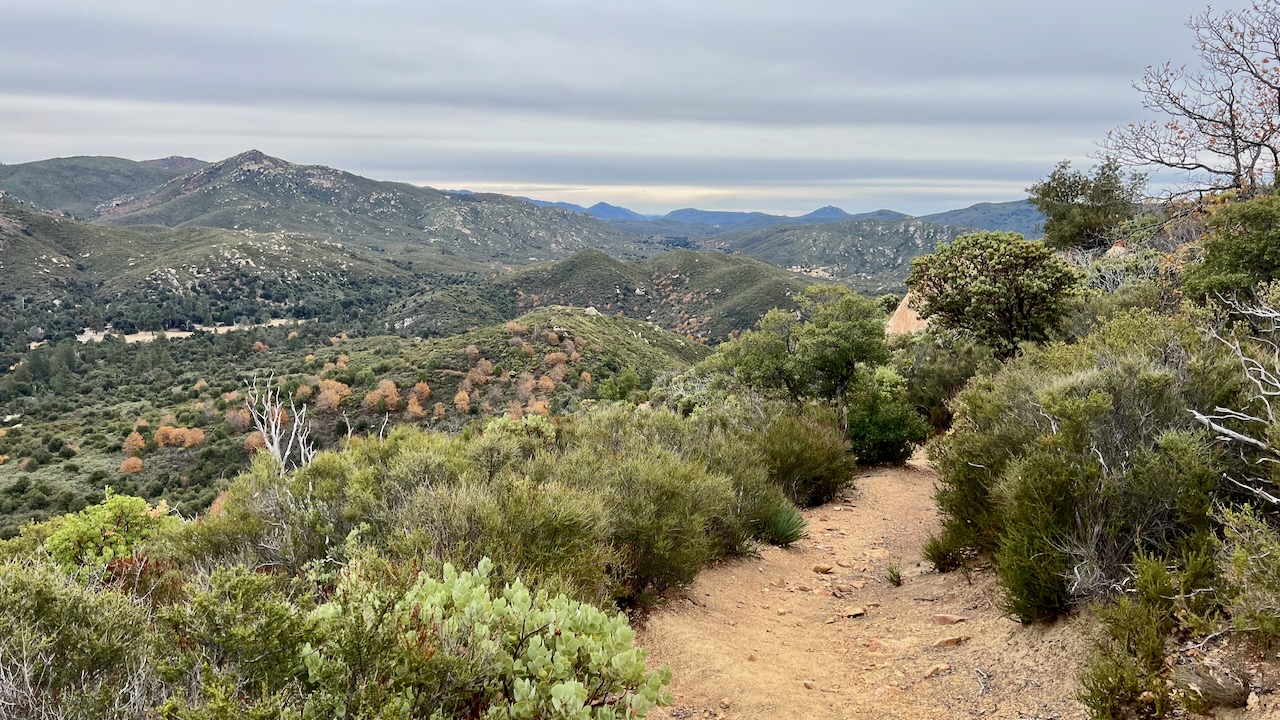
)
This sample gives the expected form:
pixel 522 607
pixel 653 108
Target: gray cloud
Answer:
pixel 712 94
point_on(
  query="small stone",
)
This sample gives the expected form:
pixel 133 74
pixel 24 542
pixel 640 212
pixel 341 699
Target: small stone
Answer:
pixel 952 641
pixel 804 588
pixel 937 670
pixel 809 685
pixel 844 564
pixel 726 703
pixel 947 619
pixel 855 612
pixel 842 587
pixel 751 658
pixel 822 569
pixel 782 611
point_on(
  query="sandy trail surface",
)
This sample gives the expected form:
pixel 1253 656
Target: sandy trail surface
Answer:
pixel 818 630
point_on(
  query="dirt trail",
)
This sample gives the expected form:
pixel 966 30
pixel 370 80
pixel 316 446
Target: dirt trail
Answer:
pixel 772 638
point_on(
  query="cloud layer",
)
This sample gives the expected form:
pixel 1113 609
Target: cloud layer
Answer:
pixel 919 105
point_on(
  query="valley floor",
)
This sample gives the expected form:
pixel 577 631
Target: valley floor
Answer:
pixel 774 637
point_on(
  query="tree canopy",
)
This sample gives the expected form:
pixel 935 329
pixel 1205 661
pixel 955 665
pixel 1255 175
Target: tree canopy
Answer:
pixel 998 286
pixel 816 352
pixel 1081 209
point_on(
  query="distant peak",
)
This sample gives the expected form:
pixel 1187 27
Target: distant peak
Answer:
pixel 827 211
pixel 255 157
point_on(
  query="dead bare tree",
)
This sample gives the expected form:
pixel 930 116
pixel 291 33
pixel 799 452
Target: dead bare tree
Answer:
pixel 1259 358
pixel 286 432
pixel 1221 123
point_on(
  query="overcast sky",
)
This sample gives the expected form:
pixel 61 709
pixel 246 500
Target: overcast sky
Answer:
pixel 774 105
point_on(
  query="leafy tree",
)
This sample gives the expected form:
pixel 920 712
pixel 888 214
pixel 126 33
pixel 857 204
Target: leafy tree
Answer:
pixel 817 352
pixel 999 286
pixel 1082 209
pixel 1241 250
pixel 843 335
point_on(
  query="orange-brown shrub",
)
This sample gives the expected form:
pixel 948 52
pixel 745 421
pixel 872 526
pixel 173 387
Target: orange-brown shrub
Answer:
pixel 331 394
pixel 254 442
pixel 413 409
pixel 422 391
pixel 218 505
pixel 134 444
pixel 386 392
pixel 131 465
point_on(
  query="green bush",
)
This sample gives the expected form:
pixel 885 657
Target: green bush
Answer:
pixel 1000 287
pixel 1125 675
pixel 807 455
pixel 452 647
pixel 70 651
pixel 662 513
pixel 944 551
pixel 785 527
pixel 936 365
pixel 882 426
pixel 1073 457
pixel 108 531
pixel 546 534
pixel 1241 250
pixel 243 631
pixel 1252 577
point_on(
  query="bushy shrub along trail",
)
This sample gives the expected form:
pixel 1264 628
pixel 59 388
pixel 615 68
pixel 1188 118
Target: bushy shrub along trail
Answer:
pixel 783 636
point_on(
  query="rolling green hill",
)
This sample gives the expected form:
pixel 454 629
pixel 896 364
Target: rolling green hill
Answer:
pixel 253 191
pixel 81 186
pixel 63 275
pixel 703 296
pixel 78 403
pixel 1017 216
pixel 872 256
pixel 60 275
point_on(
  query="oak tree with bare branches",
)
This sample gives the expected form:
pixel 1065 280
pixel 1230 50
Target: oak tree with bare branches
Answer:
pixel 1220 123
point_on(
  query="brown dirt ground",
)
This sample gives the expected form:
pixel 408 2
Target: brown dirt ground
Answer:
pixel 769 637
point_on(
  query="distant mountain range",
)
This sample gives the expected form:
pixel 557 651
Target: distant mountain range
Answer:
pixel 174 240
pixel 1016 216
